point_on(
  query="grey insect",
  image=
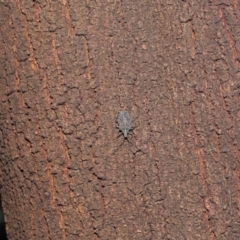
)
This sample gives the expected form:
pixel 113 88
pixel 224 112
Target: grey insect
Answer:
pixel 124 123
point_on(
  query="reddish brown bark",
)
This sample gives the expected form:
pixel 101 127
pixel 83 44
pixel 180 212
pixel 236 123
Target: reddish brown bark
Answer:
pixel 68 68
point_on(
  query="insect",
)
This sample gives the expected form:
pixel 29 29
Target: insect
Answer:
pixel 124 123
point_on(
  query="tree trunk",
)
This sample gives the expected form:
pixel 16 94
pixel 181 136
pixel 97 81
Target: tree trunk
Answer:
pixel 68 68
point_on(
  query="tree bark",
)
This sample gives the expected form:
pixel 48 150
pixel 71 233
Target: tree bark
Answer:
pixel 68 68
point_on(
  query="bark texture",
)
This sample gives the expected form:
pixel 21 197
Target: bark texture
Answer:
pixel 68 67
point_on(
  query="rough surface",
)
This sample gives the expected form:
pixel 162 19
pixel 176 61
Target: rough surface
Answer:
pixel 68 67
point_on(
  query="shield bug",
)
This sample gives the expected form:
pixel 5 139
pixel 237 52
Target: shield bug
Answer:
pixel 124 123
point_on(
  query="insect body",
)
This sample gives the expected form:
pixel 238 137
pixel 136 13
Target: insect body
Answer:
pixel 124 123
